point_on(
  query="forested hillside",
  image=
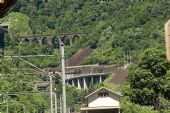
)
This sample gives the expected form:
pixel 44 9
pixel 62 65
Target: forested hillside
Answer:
pixel 116 28
pixel 119 31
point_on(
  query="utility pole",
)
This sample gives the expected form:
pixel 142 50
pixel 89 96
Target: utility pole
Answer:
pixel 55 96
pixel 61 111
pixel 63 76
pixel 51 92
pixel 34 109
pixel 24 108
pixel 50 75
pixel 7 104
pixel 130 56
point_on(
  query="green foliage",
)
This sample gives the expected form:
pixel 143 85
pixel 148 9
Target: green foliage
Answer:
pixel 148 79
pixel 11 80
pixel 75 96
pixel 128 107
pixel 18 23
pixel 106 83
pixel 115 28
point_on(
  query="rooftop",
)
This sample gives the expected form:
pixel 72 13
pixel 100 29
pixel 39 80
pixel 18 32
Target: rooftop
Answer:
pixel 102 89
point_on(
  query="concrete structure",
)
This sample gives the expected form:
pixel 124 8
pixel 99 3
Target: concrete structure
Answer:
pixel 3 30
pixel 51 39
pixel 83 81
pixel 102 100
pixel 43 86
pixel 167 39
pixel 82 76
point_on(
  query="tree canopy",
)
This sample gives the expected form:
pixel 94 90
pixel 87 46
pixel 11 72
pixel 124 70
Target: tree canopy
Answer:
pixel 149 79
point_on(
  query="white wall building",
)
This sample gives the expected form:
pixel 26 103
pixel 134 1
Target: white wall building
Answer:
pixel 102 101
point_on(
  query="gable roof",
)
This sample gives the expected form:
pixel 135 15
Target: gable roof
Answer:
pixel 100 90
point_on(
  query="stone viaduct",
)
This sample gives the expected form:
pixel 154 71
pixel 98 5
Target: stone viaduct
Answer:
pixel 51 39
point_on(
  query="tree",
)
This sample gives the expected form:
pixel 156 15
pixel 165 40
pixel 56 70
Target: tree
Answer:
pixel 148 80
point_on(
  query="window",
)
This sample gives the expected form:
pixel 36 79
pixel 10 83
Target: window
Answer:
pixel 103 94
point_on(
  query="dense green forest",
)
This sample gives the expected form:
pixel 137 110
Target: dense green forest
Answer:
pixel 116 28
pixel 119 31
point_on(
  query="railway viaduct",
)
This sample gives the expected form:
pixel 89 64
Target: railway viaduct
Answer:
pixel 51 39
pixel 82 76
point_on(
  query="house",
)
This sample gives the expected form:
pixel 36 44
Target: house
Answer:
pixel 102 100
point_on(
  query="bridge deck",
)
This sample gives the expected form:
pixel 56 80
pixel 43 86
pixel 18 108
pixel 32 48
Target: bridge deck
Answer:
pixel 74 76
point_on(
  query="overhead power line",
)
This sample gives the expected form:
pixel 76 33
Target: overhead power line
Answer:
pixel 27 56
pixel 25 93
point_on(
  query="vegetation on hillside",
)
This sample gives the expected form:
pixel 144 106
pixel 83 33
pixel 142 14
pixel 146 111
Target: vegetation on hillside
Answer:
pixel 118 30
pixel 148 81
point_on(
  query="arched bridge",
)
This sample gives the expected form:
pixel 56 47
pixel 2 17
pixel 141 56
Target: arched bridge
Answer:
pixel 67 38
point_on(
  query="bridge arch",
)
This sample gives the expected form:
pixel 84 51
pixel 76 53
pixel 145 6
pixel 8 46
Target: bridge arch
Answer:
pixel 75 38
pixel 55 41
pixel 66 40
pixel 44 40
pixel 26 40
pixel 35 41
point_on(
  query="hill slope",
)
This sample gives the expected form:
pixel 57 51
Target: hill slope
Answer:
pixel 116 28
pixel 79 56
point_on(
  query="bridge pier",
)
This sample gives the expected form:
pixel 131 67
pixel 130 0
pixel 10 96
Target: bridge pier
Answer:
pixel 73 84
pixel 71 41
pixel 100 78
pixel 67 82
pixel 41 41
pixel 84 83
pixel 78 83
pixel 92 80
